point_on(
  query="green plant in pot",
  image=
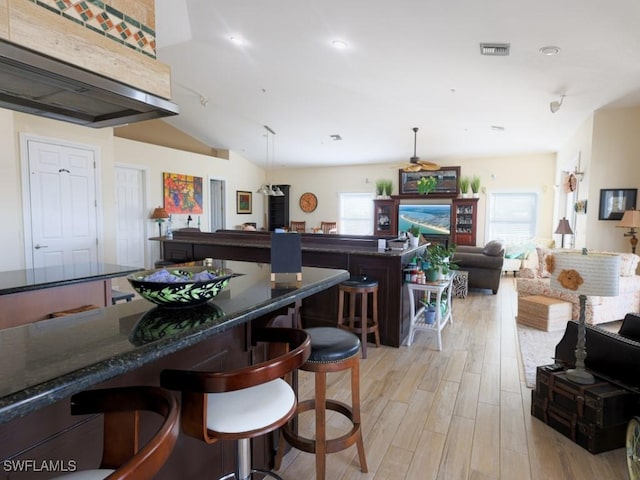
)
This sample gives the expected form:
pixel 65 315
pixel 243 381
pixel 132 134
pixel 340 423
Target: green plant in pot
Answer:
pixel 426 185
pixel 475 185
pixel 430 310
pixel 380 187
pixel 388 187
pixel 414 233
pixel 441 259
pixel 465 183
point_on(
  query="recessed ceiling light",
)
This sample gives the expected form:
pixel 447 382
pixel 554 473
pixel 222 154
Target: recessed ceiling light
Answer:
pixel 339 44
pixel 237 40
pixel 497 128
pixel 550 50
pixel 336 137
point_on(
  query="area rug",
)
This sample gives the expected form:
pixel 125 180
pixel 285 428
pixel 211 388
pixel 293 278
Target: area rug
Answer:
pixel 538 347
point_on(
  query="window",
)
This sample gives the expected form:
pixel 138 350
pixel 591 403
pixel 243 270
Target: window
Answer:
pixel 512 216
pixel 356 214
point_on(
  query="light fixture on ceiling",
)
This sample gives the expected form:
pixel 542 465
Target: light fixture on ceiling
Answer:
pixel 550 50
pixel 415 164
pixel 266 188
pixel 555 105
pixel 339 44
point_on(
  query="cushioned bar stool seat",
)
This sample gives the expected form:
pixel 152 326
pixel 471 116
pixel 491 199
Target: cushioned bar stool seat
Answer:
pixel 332 350
pixel 364 324
pixel 244 403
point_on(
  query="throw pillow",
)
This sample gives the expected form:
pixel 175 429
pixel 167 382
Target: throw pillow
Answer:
pixel 630 327
pixel 543 253
pixel 494 248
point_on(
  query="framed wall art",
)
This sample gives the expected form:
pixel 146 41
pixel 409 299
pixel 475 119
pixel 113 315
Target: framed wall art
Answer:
pixel 243 202
pixel 614 201
pixel 446 186
pixel 182 193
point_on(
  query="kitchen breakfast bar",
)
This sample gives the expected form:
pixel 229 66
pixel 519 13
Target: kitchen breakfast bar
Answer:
pixel 359 255
pixel 43 363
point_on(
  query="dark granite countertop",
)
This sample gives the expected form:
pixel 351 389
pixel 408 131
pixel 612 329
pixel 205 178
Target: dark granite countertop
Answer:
pixel 345 247
pixel 46 361
pixel 16 281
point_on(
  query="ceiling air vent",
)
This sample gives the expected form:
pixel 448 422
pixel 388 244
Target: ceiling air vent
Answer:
pixel 495 49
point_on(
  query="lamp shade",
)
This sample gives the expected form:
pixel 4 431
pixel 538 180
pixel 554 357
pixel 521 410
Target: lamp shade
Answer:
pixel 159 214
pixel 564 228
pixel 630 219
pixel 585 274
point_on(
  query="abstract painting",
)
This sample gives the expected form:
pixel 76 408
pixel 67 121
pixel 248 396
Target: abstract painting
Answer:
pixel 182 193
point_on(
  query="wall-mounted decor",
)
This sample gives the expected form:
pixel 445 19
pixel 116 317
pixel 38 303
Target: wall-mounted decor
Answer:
pixel 446 186
pixel 243 202
pixel 614 201
pixel 580 206
pixel 182 193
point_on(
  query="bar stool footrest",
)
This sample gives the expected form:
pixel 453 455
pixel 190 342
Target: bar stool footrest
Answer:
pixel 333 445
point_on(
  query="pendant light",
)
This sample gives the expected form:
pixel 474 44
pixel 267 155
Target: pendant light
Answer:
pixel 267 188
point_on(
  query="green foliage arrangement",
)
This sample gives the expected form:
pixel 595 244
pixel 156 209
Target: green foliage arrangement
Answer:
pixel 427 185
pixel 475 184
pixel 464 184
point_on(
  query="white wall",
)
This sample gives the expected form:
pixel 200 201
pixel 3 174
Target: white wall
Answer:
pixel 609 147
pixel 239 174
pixel 498 174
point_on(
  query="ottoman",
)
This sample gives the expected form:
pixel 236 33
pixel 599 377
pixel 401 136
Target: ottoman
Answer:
pixel 543 313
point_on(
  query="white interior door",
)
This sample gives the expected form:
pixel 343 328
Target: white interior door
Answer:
pixel 130 216
pixel 216 189
pixel 63 206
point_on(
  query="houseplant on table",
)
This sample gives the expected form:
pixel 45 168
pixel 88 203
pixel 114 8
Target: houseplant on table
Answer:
pixel 439 257
pixel 414 235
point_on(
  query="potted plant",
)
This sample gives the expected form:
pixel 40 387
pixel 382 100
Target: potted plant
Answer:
pixel 388 187
pixel 464 186
pixel 380 188
pixel 426 185
pixel 475 186
pixel 441 259
pixel 429 312
pixel 414 235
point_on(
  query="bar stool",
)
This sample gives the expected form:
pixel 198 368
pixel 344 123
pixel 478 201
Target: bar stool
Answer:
pixel 332 350
pixel 244 403
pixel 122 456
pixel 364 324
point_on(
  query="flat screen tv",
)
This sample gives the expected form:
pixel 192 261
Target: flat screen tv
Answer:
pixel 432 219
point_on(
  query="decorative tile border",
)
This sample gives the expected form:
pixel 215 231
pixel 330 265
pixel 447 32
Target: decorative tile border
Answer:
pixel 107 21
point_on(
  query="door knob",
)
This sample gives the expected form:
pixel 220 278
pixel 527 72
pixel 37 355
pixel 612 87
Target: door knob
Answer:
pixel 38 246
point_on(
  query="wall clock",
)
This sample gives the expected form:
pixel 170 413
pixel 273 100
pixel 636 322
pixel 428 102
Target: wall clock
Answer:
pixel 308 202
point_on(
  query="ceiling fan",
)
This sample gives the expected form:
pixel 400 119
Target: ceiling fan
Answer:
pixel 415 164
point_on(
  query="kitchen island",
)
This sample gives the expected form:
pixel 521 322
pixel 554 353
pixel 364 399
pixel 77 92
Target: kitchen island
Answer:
pixel 43 363
pixel 33 294
pixel 357 254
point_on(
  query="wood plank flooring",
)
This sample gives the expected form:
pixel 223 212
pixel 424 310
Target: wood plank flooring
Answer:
pixel 462 413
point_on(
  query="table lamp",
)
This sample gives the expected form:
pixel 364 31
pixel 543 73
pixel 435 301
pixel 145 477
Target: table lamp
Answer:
pixel 584 273
pixel 563 229
pixel 159 215
pixel 631 220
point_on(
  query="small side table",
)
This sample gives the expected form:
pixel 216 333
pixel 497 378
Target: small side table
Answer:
pixel 438 289
pixel 460 283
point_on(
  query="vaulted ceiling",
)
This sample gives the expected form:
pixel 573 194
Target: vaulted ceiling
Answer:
pixel 240 65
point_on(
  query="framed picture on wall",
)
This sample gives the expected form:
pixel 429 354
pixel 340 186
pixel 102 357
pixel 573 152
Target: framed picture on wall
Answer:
pixel 446 186
pixel 614 201
pixel 243 202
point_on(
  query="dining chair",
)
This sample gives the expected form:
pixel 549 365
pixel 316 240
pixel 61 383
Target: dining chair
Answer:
pixel 299 227
pixel 329 227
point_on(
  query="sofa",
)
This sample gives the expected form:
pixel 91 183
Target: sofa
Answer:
pixel 484 264
pixel 612 355
pixel 534 280
pixel 523 254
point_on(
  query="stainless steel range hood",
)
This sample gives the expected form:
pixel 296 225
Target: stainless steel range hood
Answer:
pixel 40 85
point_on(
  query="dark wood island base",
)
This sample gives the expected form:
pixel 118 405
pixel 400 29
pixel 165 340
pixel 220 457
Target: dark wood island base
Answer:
pixel 359 255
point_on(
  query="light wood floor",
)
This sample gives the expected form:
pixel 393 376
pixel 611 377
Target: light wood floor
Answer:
pixel 463 413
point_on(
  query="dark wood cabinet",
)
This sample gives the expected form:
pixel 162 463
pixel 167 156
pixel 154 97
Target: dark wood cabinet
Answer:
pixel 385 217
pixel 464 221
pixel 279 209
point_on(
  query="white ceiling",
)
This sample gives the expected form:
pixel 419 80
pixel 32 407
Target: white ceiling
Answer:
pixel 409 63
